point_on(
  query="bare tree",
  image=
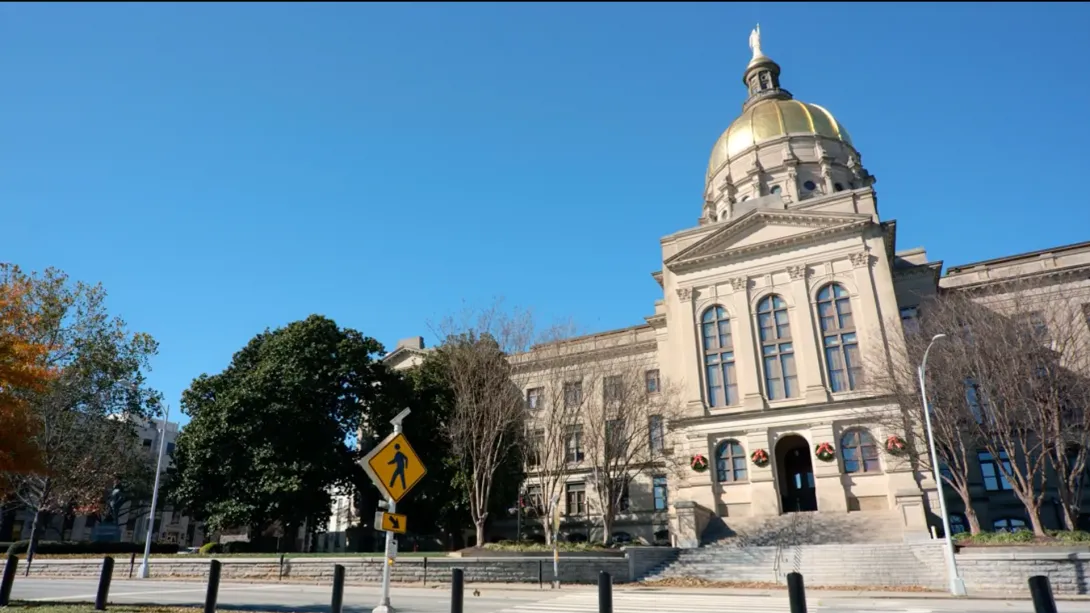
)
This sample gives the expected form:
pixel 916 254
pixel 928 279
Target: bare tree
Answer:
pixel 487 424
pixel 624 430
pixel 1010 379
pixel 552 374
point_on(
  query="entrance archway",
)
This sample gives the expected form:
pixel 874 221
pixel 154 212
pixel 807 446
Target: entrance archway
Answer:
pixel 796 474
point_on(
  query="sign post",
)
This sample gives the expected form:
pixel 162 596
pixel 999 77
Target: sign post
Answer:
pixel 395 469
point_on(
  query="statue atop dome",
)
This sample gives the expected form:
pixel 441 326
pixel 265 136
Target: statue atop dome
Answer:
pixel 755 42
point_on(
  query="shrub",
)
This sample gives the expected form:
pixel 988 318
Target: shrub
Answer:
pixel 88 548
pixel 530 546
pixel 211 548
pixel 1019 537
pixel 239 547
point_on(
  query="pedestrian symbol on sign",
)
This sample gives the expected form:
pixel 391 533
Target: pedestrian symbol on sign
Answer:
pixel 400 461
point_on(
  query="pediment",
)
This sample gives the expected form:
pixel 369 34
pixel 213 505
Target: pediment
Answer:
pixel 765 229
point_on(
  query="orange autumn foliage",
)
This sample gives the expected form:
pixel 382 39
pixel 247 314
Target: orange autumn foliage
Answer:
pixel 22 371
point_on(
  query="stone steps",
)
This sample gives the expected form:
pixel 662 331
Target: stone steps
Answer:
pixel 806 528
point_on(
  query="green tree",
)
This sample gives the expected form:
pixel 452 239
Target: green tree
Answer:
pixel 84 419
pixel 274 434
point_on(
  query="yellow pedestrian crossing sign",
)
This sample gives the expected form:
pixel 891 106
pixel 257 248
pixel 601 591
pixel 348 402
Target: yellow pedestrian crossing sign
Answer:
pixel 394 467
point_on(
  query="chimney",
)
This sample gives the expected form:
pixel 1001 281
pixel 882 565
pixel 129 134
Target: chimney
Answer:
pixel 413 342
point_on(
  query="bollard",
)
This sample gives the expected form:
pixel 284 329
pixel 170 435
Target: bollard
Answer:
pixel 338 589
pixel 8 580
pixel 425 571
pixel 796 593
pixel 457 589
pixel 132 563
pixel 1041 592
pixel 213 587
pixel 605 593
pixel 540 575
pixel 281 576
pixel 104 583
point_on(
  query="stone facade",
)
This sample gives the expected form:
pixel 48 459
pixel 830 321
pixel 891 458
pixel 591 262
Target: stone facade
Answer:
pixel 582 569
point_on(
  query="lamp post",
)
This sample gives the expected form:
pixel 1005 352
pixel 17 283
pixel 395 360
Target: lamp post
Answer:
pixel 957 585
pixel 143 572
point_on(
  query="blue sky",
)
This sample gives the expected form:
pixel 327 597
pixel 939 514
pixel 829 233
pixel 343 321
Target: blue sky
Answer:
pixel 223 168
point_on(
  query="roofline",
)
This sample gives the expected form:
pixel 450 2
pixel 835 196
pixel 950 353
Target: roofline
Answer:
pixel 1016 257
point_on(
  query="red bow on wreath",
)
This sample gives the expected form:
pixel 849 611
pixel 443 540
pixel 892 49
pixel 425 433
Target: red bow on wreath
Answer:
pixel 895 442
pixel 825 449
pixel 699 462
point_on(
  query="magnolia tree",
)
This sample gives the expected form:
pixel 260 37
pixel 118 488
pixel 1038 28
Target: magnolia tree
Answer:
pixel 1010 379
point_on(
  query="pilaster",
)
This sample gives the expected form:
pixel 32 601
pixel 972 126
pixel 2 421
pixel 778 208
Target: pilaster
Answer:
pixel 764 495
pixel 827 481
pixel 746 361
pixel 686 342
pixel 807 358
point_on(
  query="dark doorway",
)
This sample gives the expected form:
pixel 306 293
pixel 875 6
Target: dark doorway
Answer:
pixel 796 474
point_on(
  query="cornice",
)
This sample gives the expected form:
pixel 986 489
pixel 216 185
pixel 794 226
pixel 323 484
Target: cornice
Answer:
pixel 1080 272
pixel 692 257
pixel 592 355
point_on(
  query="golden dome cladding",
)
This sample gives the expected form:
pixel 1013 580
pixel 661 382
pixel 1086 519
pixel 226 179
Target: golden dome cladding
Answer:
pixel 772 119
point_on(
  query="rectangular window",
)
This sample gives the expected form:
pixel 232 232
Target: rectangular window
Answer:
pixel 170 448
pixel 722 381
pixel 658 486
pixel 536 448
pixel 910 319
pixel 624 503
pixel 781 379
pixel 994 480
pixel 615 440
pixel 1035 325
pixel 147 443
pixel 534 397
pixel 612 389
pixel 573 394
pixel 532 499
pixel 574 444
pixel 576 498
pixel 651 378
pixel 657 434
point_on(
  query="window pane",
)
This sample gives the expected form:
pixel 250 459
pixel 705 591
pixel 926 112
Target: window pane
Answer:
pixel 709 336
pixel 871 465
pixel 764 322
pixel 725 341
pixel 851 466
pixel 790 381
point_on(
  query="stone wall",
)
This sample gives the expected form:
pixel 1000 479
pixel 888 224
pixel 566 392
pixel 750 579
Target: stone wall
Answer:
pixel 1008 569
pixel 635 563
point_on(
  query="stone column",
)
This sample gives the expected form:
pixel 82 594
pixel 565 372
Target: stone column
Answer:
pixel 830 489
pixel 747 360
pixel 687 342
pixel 868 323
pixel 807 359
pixel 764 495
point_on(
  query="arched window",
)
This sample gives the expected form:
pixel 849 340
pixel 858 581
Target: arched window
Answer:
pixel 730 462
pixel 842 360
pixel 719 358
pixel 958 524
pixel 1008 524
pixel 859 452
pixel 781 380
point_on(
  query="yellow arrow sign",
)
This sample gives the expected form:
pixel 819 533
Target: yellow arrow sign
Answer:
pixel 394 466
pixel 392 522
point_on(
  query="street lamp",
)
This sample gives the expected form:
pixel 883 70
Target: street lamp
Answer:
pixel 144 571
pixel 957 585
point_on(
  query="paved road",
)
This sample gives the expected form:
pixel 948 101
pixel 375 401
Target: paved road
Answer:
pixel 495 599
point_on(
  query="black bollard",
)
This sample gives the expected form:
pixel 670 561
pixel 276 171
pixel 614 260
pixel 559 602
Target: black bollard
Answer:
pixel 132 563
pixel 457 589
pixel 338 589
pixel 104 583
pixel 796 593
pixel 1041 592
pixel 605 593
pixel 213 587
pixel 8 580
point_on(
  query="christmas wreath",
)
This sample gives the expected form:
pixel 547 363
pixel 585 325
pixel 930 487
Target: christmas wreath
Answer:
pixel 895 445
pixel 825 452
pixel 759 457
pixel 699 463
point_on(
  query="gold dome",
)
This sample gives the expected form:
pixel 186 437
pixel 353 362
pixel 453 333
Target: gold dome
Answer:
pixel 771 119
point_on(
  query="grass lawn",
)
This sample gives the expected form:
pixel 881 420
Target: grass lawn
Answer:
pixel 46 607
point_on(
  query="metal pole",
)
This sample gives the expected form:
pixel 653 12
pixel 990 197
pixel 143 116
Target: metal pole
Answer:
pixel 8 580
pixel 605 593
pixel 391 506
pixel 213 587
pixel 457 589
pixel 1041 592
pixel 957 585
pixel 104 584
pixel 796 593
pixel 143 572
pixel 338 589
